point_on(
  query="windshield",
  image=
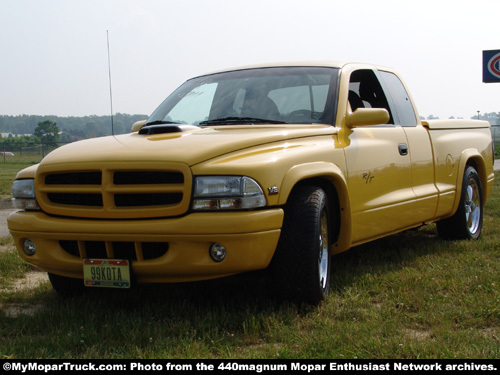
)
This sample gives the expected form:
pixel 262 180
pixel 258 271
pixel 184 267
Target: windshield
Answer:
pixel 296 95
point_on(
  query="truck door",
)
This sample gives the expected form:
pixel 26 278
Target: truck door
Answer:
pixel 378 166
pixel 419 146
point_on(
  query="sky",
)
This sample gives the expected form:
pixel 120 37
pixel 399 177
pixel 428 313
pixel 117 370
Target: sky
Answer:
pixel 54 54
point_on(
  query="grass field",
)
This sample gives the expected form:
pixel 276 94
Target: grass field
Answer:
pixel 8 172
pixel 410 295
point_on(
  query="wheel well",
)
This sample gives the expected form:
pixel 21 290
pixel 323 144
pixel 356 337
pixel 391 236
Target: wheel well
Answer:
pixel 478 165
pixel 471 162
pixel 333 202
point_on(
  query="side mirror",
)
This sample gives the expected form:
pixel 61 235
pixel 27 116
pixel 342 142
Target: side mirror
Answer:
pixel 367 116
pixel 137 126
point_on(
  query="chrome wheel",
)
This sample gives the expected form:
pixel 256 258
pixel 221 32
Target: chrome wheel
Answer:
pixel 323 261
pixel 467 221
pixel 472 206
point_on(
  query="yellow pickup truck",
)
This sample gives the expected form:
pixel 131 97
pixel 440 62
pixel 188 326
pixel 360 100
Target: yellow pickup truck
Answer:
pixel 272 166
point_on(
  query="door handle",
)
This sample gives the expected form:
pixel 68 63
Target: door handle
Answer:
pixel 403 149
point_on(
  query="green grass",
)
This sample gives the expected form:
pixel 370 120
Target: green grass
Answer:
pixel 8 173
pixel 410 295
pixel 11 265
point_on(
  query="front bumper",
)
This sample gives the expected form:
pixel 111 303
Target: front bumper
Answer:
pixel 249 237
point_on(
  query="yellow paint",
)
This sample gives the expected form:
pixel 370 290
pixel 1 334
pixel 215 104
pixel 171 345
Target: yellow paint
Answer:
pixel 379 190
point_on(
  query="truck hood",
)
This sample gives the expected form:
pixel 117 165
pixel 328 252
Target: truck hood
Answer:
pixel 189 147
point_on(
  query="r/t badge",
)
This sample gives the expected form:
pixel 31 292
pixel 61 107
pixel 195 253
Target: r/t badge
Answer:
pixel 368 177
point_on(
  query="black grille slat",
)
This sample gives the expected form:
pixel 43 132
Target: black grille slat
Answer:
pixel 121 250
pixel 124 250
pixel 76 199
pixel 153 250
pixel 147 178
pixel 71 247
pixel 96 249
pixel 74 178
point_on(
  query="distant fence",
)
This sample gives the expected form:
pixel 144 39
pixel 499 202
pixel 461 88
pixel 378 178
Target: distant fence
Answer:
pixel 11 153
pixel 495 133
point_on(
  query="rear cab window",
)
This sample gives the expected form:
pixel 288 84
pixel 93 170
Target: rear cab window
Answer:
pixel 400 100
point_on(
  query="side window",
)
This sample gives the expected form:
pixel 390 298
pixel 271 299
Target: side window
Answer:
pixel 400 98
pixel 365 91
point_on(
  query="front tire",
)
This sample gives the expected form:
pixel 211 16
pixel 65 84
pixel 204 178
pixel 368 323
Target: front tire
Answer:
pixel 301 265
pixel 468 220
pixel 66 286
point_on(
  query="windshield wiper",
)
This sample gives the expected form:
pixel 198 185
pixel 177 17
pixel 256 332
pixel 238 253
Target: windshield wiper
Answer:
pixel 234 120
pixel 160 122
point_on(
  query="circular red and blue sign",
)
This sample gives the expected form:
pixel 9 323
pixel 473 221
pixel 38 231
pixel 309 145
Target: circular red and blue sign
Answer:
pixel 491 66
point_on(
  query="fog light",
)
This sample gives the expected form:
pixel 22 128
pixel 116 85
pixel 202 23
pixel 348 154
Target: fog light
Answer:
pixel 217 252
pixel 29 247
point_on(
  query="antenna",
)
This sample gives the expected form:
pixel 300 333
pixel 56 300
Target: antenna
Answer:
pixel 110 91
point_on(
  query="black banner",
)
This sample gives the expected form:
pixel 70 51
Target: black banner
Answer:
pixel 229 366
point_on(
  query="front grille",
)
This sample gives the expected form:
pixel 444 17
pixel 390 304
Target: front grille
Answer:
pixel 117 191
pixel 133 251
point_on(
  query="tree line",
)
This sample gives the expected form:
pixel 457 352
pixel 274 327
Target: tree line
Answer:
pixel 492 117
pixel 29 129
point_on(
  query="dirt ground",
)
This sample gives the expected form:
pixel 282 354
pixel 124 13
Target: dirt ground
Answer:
pixel 32 279
pixel 4 232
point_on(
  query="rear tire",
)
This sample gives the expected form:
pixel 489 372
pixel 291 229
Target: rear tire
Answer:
pixel 468 220
pixel 301 265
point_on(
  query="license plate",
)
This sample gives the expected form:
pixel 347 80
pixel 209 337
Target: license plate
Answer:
pixel 106 273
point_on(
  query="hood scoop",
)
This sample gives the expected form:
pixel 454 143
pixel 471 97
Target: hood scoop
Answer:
pixel 166 128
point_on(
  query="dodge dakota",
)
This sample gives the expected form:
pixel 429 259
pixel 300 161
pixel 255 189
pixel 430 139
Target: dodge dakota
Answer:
pixel 274 167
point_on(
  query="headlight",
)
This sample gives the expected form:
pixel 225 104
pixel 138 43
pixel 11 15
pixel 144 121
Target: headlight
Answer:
pixel 23 195
pixel 227 193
